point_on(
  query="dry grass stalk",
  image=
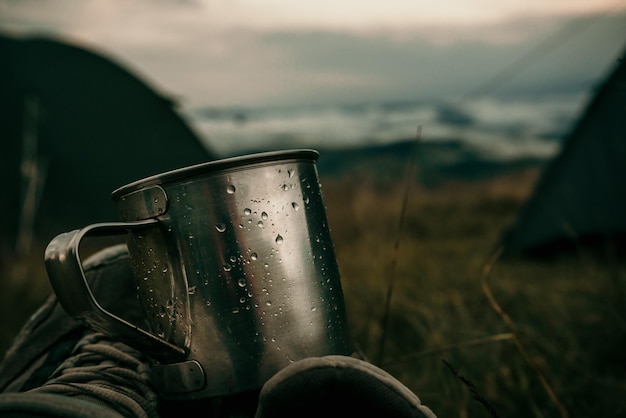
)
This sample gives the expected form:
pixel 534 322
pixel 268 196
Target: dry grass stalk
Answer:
pixel 461 345
pixel 518 342
pixel 394 259
pixel 474 391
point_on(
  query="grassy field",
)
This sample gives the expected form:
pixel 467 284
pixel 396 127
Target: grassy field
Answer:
pixel 471 334
pixel 472 337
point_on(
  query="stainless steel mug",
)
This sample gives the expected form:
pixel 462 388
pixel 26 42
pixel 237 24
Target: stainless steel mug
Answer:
pixel 235 271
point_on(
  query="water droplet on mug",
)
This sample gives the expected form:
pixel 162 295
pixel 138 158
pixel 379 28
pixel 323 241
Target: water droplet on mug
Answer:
pixel 253 256
pixel 264 216
pixel 220 227
pixel 230 189
pixel 279 239
pixel 290 172
pixel 235 310
pixel 241 282
pixel 268 303
pixel 259 224
pixel 295 206
pixel 192 290
pixel 247 211
pixel 227 267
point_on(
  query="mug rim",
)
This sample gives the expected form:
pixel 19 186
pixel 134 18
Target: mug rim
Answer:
pixel 213 167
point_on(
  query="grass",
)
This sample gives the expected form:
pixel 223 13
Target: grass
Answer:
pixel 23 288
pixel 555 348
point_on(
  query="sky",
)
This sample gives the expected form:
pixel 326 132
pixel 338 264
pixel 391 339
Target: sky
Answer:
pixel 219 53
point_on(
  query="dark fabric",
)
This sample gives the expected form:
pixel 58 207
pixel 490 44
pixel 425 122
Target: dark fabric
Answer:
pixel 41 333
pixel 57 354
pixel 51 331
pixel 30 405
pixel 51 337
pixel 337 386
pixel 240 405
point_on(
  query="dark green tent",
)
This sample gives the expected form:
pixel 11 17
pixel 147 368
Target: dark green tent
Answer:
pixel 75 125
pixel 579 203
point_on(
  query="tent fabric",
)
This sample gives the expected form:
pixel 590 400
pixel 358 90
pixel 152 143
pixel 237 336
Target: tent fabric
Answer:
pixel 75 125
pixel 579 202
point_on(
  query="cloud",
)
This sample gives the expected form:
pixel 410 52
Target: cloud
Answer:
pixel 270 52
pixel 304 15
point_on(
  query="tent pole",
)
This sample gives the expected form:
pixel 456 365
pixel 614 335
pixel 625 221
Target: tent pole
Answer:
pixel 30 176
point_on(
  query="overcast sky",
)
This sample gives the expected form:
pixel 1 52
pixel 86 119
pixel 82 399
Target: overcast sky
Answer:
pixel 268 52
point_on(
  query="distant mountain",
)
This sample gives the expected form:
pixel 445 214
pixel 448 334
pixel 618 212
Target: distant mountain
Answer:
pixel 437 161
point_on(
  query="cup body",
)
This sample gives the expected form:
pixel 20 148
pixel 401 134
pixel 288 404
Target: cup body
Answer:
pixel 239 270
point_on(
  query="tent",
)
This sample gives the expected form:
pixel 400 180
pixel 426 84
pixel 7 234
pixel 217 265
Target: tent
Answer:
pixel 579 202
pixel 75 125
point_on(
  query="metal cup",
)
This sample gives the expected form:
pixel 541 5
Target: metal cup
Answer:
pixel 235 271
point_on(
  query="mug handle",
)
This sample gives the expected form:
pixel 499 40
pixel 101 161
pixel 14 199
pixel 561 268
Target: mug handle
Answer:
pixel 67 277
